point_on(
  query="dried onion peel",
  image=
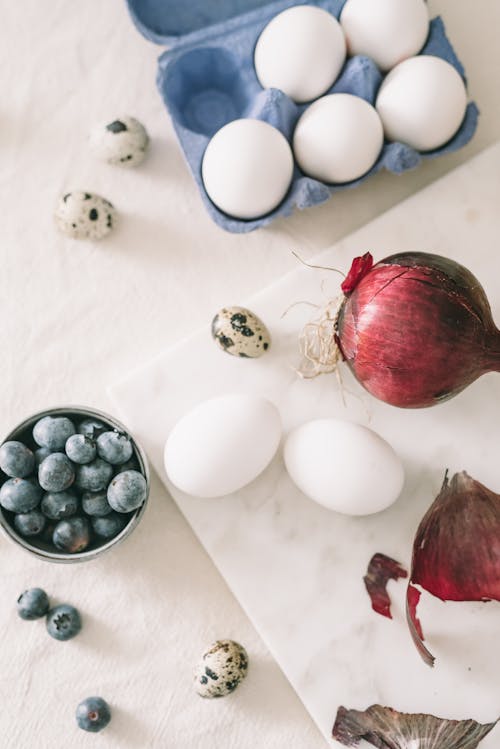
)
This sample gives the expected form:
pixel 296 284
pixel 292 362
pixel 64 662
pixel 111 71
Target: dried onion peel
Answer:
pixel 456 552
pixel 385 728
pixel 415 329
pixel 381 569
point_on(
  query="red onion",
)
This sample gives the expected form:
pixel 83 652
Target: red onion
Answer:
pixel 415 329
pixel 385 728
pixel 456 552
pixel 380 570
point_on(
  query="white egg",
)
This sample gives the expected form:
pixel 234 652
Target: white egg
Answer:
pixel 343 466
pixel 388 31
pixel 301 51
pixel 222 445
pixel 247 168
pixel 422 102
pixel 338 138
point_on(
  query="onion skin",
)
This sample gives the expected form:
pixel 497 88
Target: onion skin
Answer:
pixel 386 728
pixel 416 329
pixel 456 552
pixel 380 570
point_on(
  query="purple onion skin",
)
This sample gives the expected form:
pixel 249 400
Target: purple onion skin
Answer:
pixel 417 329
pixel 456 552
pixel 380 570
pixel 386 728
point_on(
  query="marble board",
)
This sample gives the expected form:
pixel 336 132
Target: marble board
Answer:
pixel 296 567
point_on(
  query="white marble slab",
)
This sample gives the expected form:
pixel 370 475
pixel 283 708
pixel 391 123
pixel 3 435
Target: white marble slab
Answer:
pixel 296 567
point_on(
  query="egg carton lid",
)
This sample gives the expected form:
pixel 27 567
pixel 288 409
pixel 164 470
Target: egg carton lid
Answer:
pixel 168 22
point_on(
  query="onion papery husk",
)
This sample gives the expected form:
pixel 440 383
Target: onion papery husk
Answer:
pixel 456 552
pixel 381 569
pixel 416 328
pixel 386 728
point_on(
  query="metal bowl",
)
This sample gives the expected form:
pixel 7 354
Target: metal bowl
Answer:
pixel 44 549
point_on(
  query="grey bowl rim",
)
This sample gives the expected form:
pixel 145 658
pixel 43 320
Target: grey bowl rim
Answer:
pixel 83 556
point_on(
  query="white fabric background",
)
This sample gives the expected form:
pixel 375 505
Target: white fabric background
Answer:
pixel 76 316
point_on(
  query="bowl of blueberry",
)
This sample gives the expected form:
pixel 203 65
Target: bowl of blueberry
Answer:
pixel 73 483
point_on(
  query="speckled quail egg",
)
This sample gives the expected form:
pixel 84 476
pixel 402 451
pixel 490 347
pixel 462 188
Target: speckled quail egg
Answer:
pixel 83 215
pixel 239 332
pixel 123 141
pixel 221 668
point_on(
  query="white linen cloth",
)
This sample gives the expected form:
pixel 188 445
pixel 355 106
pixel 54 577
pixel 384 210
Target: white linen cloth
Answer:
pixel 77 316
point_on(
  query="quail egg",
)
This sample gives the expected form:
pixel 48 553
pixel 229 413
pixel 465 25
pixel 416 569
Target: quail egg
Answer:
pixel 239 332
pixel 221 668
pixel 83 215
pixel 123 141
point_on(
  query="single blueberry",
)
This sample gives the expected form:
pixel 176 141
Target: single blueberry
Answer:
pixel 96 504
pixel 16 460
pixel 127 491
pixel 20 495
pixel 29 523
pixel 41 454
pixel 95 476
pixel 114 447
pixel 80 448
pixel 59 505
pixel 72 535
pixel 32 604
pixel 63 622
pixel 93 714
pixel 92 428
pixel 56 473
pixel 53 431
pixel 109 526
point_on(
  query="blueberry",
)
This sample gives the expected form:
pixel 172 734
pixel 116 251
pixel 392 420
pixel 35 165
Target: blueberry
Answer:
pixel 96 504
pixel 16 460
pixel 80 448
pixel 110 525
pixel 29 523
pixel 53 431
pixel 41 454
pixel 93 714
pixel 63 622
pixel 72 535
pixel 32 604
pixel 95 476
pixel 91 428
pixel 127 491
pixel 20 495
pixel 56 473
pixel 59 505
pixel 114 447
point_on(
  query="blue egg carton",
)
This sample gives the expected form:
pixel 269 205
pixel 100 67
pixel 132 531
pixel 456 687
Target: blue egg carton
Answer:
pixel 207 79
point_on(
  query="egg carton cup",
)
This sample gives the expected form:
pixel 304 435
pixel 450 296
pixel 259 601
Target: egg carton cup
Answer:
pixel 207 79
